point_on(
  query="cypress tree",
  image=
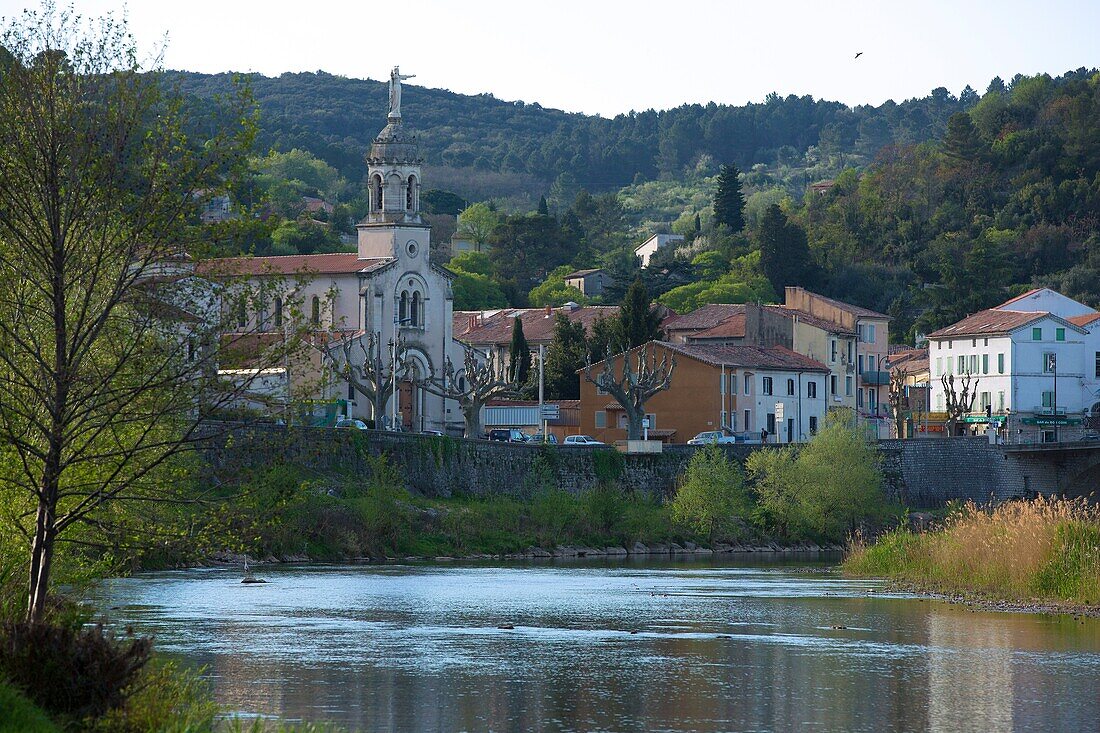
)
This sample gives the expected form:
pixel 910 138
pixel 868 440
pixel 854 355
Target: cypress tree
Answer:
pixel 544 208
pixel 639 323
pixel 784 252
pixel 564 357
pixel 519 353
pixel 729 203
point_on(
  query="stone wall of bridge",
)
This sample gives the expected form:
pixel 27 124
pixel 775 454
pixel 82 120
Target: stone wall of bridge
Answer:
pixel 919 473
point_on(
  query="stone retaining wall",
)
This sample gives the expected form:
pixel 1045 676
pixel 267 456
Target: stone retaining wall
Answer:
pixel 919 473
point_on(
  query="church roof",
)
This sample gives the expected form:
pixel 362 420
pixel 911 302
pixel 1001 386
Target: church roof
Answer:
pixel 337 263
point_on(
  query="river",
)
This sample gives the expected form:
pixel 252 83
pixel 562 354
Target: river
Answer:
pixel 612 647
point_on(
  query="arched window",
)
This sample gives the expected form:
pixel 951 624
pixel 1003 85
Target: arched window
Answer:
pixel 410 193
pixel 403 306
pixel 414 316
pixel 315 312
pixel 376 193
pixel 278 313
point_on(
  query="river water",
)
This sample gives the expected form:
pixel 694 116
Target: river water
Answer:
pixel 612 647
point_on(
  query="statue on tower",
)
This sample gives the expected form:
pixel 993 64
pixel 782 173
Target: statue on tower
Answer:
pixel 395 90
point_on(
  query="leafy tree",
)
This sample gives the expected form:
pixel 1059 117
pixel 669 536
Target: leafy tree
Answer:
pixel 528 246
pixel 304 236
pixel 554 291
pixel 711 498
pixel 827 489
pixel 605 338
pixel 784 252
pixel 105 380
pixel 729 203
pixel 639 321
pixel 564 359
pixel 961 141
pixel 476 223
pixel 519 354
pixel 435 201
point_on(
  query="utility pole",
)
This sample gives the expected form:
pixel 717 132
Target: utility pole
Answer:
pixel 542 416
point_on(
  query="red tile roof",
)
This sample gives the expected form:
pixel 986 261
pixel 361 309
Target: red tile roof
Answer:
pixel 337 263
pixel 909 358
pixel 732 327
pixel 812 320
pixel 1086 320
pixel 704 317
pixel 537 325
pixel 989 322
pixel 750 357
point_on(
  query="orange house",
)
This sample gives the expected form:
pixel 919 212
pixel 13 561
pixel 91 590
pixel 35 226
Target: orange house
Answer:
pixel 732 388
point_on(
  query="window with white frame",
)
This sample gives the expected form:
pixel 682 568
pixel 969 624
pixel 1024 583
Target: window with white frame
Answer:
pixel 811 389
pixel 848 386
pixel 1048 362
pixel 748 382
pixel 832 384
pixel 832 350
pixel 766 385
pixel 790 387
pixel 1001 364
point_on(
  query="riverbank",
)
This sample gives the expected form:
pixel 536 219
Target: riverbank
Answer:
pixel 1039 556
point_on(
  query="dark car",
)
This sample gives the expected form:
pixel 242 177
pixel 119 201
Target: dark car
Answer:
pixel 507 435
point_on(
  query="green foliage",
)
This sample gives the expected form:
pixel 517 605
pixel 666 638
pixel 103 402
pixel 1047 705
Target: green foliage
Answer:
pixel 71 672
pixel 304 236
pixel 20 715
pixel 553 290
pixel 784 252
pixel 477 222
pixel 825 490
pixel 606 505
pixel 608 465
pixel 729 202
pixel 519 353
pixel 712 496
pixel 564 357
pixel 639 322
pixel 1072 570
pixel 527 246
pixel 435 201
pixel 474 290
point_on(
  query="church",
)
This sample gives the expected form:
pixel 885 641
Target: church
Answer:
pixel 388 288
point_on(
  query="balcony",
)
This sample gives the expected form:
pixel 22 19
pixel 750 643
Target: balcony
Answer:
pixel 874 379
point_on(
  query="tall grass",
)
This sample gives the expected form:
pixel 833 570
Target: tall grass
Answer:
pixel 1046 549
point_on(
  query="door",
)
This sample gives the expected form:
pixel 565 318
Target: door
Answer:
pixel 406 405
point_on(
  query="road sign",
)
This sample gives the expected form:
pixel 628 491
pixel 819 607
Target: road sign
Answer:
pixel 551 411
pixel 645 423
pixel 778 410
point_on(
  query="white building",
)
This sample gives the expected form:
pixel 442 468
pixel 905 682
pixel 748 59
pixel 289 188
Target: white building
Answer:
pixel 387 287
pixel 1036 361
pixel 649 247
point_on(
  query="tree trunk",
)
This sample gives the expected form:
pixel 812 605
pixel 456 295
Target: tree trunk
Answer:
pixel 41 560
pixel 471 414
pixel 634 417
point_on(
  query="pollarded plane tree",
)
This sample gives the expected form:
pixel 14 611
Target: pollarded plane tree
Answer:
pixel 639 377
pixel 481 379
pixel 958 402
pixel 898 401
pixel 372 372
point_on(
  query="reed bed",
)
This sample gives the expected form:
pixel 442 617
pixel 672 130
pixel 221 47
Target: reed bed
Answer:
pixel 1044 549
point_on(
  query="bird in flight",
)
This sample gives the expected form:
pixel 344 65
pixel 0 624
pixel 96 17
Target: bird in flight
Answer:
pixel 859 54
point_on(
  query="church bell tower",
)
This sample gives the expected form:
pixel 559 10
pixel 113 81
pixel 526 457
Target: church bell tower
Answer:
pixel 393 177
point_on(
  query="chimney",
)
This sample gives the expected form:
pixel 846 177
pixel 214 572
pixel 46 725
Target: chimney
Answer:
pixel 473 323
pixel 549 311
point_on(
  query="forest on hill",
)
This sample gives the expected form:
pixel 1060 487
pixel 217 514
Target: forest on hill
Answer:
pixel 930 209
pixel 481 147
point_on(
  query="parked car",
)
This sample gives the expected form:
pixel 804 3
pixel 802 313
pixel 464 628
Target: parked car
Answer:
pixel 582 440
pixel 508 435
pixel 537 438
pixel 712 436
pixel 1090 436
pixel 437 433
pixel 351 424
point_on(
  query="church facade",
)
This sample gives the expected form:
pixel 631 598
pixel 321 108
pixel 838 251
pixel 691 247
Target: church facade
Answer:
pixel 388 290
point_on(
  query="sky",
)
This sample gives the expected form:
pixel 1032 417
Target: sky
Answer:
pixel 610 56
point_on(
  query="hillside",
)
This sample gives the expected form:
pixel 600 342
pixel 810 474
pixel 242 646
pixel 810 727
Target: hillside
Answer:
pixel 482 147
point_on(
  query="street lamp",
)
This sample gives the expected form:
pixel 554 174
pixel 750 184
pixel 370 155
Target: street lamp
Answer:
pixel 1052 366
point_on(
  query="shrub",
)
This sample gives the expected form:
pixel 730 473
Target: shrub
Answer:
pixel 1047 548
pixel 383 507
pixel 71 671
pixel 605 505
pixel 827 489
pixel 712 496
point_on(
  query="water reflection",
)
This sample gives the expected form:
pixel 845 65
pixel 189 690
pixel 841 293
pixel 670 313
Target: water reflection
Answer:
pixel 627 648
